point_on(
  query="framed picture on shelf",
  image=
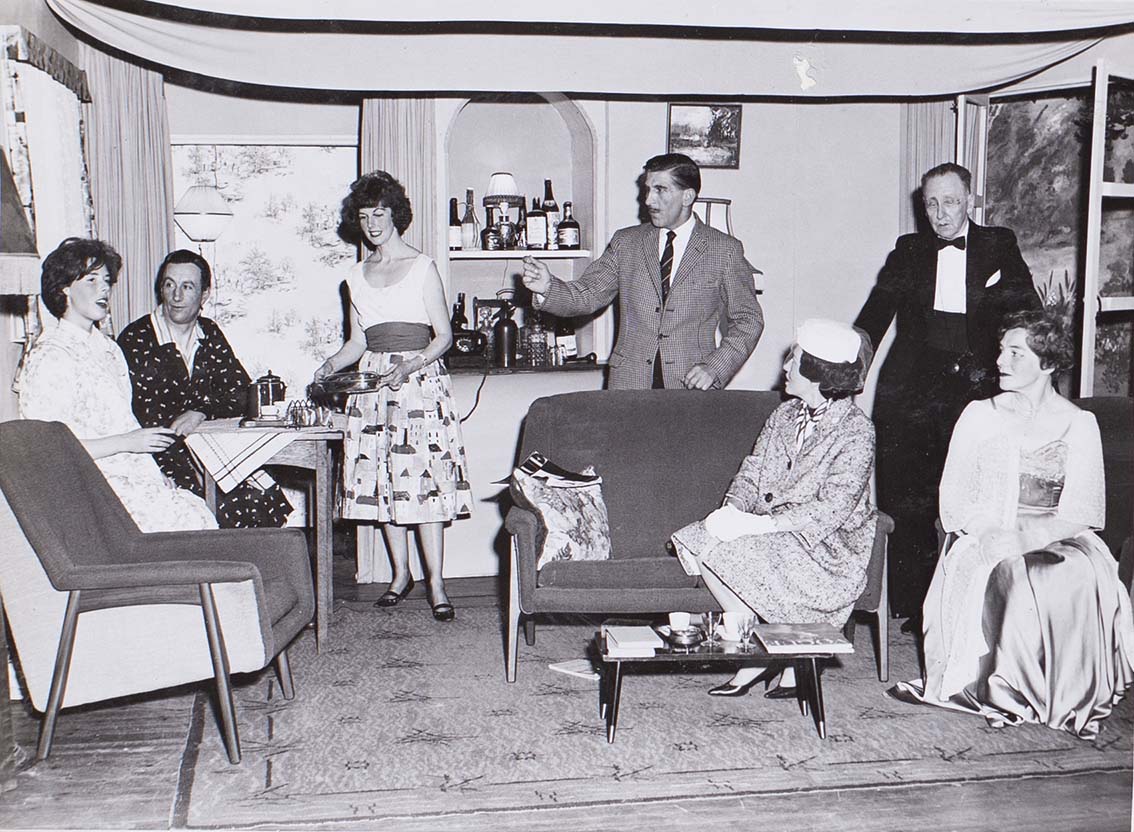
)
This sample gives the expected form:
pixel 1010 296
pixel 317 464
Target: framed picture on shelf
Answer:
pixel 709 134
pixel 484 313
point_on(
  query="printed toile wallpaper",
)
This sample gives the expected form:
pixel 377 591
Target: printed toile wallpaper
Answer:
pixel 278 264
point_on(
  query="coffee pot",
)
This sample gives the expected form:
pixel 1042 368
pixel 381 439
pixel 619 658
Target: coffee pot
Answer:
pixel 263 394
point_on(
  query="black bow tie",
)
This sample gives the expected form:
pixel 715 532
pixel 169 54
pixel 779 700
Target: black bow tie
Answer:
pixel 959 242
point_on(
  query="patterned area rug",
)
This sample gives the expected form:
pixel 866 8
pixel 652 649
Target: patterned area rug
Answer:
pixel 402 717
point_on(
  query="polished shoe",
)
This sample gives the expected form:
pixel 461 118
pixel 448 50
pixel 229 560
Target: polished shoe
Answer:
pixel 389 598
pixel 729 689
pixel 444 612
pixel 782 692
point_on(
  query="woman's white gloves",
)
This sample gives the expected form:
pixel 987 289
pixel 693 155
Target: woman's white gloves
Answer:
pixel 728 523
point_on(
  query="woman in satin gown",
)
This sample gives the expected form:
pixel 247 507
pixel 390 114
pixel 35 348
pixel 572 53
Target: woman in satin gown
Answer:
pixel 1026 619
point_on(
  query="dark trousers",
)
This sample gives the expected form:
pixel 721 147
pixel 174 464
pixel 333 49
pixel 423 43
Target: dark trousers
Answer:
pixel 914 422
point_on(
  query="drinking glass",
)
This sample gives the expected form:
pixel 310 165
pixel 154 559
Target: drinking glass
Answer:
pixel 747 629
pixel 712 622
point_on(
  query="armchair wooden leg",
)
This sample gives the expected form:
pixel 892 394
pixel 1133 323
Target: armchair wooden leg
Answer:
pixel 513 625
pixel 283 670
pixel 220 670
pixel 59 676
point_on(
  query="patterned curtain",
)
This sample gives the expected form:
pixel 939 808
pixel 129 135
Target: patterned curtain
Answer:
pixel 128 155
pixel 397 137
pixel 928 139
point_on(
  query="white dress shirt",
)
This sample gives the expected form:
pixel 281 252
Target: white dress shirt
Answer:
pixel 683 232
pixel 951 266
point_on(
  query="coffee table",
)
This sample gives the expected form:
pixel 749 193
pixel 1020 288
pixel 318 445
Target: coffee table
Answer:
pixel 808 683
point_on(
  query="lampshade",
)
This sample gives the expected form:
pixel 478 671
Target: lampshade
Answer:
pixel 202 213
pixel 502 187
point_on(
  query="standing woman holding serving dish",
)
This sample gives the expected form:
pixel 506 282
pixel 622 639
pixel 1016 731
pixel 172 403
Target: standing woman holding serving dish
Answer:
pixel 404 458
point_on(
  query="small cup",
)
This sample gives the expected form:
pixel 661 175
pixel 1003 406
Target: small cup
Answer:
pixel 679 621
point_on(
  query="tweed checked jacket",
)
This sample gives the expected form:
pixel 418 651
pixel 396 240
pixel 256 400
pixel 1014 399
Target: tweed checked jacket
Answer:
pixel 712 278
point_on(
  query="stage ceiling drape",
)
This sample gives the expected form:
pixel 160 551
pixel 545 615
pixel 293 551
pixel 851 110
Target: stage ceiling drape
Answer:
pixel 736 48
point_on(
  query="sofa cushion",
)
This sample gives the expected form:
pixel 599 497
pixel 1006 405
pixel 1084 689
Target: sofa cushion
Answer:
pixel 656 573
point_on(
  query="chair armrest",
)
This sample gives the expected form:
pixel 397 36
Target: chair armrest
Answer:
pixel 276 553
pixel 156 573
pixel 885 523
pixel 524 525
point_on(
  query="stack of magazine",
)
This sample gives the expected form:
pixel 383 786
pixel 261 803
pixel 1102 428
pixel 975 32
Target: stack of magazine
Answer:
pixel 629 641
pixel 802 638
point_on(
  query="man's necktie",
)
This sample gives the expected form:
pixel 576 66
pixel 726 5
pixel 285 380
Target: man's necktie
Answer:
pixel 666 264
pixel 958 242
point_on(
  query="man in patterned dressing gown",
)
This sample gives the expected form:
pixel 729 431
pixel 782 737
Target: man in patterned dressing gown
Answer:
pixel 183 372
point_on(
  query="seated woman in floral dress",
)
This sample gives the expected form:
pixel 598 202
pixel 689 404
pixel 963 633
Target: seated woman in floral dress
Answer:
pixel 75 374
pixel 793 540
pixel 1026 619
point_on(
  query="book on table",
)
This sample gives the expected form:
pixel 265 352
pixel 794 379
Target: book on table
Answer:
pixel 630 640
pixel 802 638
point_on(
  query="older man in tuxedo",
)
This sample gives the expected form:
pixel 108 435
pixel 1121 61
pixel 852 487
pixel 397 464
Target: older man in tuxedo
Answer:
pixel 948 286
pixel 675 279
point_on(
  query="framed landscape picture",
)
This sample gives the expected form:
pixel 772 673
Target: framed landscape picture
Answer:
pixel 709 134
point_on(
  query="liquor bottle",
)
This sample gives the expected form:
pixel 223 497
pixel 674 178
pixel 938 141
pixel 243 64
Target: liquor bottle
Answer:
pixel 565 343
pixel 454 226
pixel 490 236
pixel 537 226
pixel 459 322
pixel 551 209
pixel 522 228
pixel 470 225
pixel 568 232
pixel 505 227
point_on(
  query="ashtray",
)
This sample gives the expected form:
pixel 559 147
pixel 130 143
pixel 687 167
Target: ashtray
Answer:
pixel 352 382
pixel 689 637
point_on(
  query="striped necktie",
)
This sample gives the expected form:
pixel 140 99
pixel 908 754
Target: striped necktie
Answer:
pixel 666 264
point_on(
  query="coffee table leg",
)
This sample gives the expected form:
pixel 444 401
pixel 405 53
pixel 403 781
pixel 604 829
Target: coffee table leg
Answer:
pixel 614 695
pixel 817 687
pixel 801 685
pixel 603 687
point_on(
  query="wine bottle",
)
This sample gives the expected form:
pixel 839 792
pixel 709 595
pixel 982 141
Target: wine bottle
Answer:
pixel 490 236
pixel 470 225
pixel 522 228
pixel 454 226
pixel 459 322
pixel 568 232
pixel 537 226
pixel 551 209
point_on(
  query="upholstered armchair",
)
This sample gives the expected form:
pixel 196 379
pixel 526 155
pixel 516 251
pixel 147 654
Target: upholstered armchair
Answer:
pixel 98 610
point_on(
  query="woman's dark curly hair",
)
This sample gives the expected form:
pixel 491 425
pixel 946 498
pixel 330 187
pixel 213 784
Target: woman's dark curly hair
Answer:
pixel 74 258
pixel 369 191
pixel 1046 335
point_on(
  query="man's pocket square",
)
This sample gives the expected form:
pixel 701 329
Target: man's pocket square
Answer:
pixel 992 281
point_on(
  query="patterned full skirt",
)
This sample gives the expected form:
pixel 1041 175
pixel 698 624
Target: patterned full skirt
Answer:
pixel 404 458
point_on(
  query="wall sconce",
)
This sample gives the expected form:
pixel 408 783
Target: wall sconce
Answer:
pixel 202 213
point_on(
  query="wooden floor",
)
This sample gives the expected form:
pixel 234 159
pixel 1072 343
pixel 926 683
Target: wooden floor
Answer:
pixel 138 784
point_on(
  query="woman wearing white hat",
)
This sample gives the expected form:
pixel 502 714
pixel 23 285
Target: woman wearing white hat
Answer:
pixel 794 536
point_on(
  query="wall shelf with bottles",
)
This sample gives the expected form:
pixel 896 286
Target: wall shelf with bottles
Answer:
pixel 536 254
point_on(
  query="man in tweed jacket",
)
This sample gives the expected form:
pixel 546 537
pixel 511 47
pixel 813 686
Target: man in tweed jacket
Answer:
pixel 667 334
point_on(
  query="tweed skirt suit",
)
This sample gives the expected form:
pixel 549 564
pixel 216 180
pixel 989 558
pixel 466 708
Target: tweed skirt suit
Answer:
pixel 823 489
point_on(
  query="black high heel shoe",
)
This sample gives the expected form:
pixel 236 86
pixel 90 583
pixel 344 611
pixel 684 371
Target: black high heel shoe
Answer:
pixel 443 611
pixel 729 689
pixel 389 598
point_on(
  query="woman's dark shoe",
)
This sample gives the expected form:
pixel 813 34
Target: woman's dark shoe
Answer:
pixel 729 689
pixel 389 598
pixel 782 692
pixel 444 612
